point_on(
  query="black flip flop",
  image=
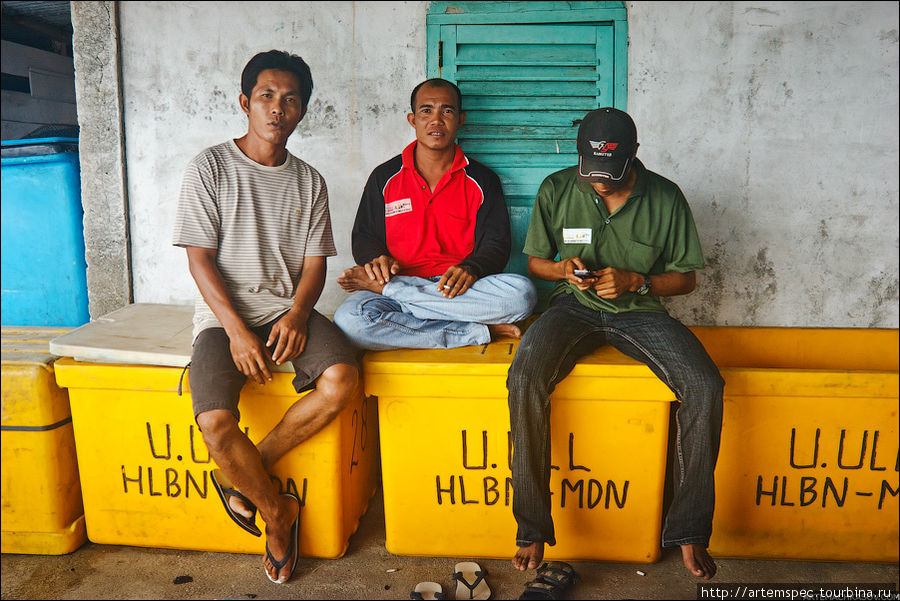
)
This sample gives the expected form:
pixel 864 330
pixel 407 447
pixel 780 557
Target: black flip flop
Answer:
pixel 470 582
pixel 293 551
pixel 553 579
pixel 226 491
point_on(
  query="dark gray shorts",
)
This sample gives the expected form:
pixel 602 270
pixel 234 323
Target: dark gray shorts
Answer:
pixel 215 381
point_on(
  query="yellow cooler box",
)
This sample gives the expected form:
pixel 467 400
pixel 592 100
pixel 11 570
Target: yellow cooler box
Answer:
pixel 145 470
pixel 808 466
pixel 41 509
pixel 445 449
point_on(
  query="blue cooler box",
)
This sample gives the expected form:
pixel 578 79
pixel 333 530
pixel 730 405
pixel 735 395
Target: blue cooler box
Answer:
pixel 44 275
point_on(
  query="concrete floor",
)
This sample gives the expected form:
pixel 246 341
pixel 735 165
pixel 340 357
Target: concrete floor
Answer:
pixel 116 572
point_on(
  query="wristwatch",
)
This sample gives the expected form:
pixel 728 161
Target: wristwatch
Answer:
pixel 645 289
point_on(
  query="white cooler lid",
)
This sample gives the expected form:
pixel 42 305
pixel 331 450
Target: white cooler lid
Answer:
pixel 139 334
pixel 143 334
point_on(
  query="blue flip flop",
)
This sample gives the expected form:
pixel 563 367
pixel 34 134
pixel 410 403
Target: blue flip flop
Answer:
pixel 226 491
pixel 293 552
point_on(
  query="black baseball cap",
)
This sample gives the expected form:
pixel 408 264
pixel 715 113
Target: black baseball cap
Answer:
pixel 607 139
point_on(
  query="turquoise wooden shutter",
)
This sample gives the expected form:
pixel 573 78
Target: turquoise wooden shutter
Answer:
pixel 527 78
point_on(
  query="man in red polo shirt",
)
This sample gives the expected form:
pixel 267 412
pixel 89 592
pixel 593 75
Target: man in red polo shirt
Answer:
pixel 430 239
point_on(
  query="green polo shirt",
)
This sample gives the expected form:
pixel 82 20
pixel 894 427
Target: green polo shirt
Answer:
pixel 652 233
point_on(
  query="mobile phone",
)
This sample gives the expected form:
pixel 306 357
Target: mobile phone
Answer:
pixel 582 273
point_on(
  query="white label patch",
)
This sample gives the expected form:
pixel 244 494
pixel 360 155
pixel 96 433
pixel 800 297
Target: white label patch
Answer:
pixel 398 207
pixel 577 235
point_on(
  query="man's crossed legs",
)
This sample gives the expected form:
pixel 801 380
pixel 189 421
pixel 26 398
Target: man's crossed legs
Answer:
pixel 328 362
pixel 549 350
pixel 410 312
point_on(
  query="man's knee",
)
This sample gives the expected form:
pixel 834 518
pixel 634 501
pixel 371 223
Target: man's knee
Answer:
pixel 526 379
pixel 704 389
pixel 522 295
pixel 338 384
pixel 707 380
pixel 216 425
pixel 527 296
pixel 360 311
pixel 347 315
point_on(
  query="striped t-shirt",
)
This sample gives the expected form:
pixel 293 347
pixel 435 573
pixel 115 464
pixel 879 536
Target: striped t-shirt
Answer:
pixel 261 220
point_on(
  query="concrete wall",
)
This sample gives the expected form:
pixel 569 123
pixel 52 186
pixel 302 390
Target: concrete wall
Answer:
pixel 778 120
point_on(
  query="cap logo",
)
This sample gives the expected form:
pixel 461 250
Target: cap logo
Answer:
pixel 603 149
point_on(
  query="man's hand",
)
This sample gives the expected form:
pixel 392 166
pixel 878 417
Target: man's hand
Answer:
pixel 455 281
pixel 290 332
pixel 249 356
pixel 613 282
pixel 569 266
pixel 382 268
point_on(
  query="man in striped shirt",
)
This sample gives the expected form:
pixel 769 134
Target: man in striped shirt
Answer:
pixel 254 220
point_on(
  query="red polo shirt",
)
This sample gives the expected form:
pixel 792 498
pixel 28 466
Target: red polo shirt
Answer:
pixel 463 221
pixel 429 231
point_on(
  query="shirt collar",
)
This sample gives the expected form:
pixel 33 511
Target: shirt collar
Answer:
pixel 460 161
pixel 640 184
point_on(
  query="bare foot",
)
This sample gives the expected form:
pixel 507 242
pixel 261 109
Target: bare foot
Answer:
pixel 504 330
pixel 278 538
pixel 529 558
pixel 698 561
pixel 356 278
pixel 239 507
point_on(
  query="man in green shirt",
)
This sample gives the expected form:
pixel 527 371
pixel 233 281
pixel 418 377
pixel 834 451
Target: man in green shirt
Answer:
pixel 615 237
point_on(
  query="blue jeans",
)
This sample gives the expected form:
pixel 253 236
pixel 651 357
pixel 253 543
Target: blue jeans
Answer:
pixel 411 312
pixel 549 350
